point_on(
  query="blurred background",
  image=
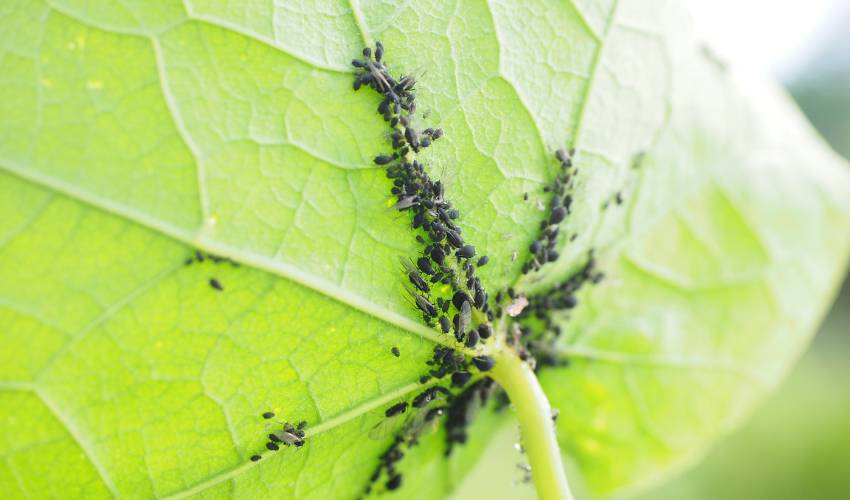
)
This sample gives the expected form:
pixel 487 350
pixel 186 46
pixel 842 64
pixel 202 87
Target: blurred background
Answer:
pixel 797 445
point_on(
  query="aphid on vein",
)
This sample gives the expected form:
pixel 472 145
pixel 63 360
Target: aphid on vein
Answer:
pixel 483 363
pixel 396 409
pixel 413 422
pixel 255 458
pixel 394 482
pixel 216 284
pixel 290 436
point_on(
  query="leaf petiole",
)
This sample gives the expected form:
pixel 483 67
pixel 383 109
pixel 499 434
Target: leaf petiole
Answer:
pixel 535 422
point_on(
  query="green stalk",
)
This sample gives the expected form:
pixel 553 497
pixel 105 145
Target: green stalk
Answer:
pixel 535 423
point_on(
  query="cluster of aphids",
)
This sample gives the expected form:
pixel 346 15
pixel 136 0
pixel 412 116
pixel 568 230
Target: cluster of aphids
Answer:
pixel 409 436
pixel 283 434
pixel 447 259
pixel 543 248
pixel 199 256
pixel 444 285
pixel 561 297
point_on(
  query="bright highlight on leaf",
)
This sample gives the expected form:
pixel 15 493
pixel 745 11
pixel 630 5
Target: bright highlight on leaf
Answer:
pixel 134 135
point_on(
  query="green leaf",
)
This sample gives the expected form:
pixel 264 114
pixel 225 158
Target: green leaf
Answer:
pixel 132 133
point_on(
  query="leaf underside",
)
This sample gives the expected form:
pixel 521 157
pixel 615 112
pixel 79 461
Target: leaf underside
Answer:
pixel 133 133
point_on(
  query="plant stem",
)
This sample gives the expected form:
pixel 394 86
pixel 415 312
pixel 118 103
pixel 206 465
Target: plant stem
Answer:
pixel 536 427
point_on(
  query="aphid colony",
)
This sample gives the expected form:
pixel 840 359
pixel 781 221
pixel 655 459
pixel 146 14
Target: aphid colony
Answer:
pixel 201 257
pixel 282 434
pixel 447 259
pixel 537 342
pixel 543 248
pixel 443 283
pixel 459 410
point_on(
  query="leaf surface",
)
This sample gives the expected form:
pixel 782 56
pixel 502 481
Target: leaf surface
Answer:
pixel 132 134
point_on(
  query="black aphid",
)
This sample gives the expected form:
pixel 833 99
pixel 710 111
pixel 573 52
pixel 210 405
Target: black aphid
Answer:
pixel 483 363
pixel 395 351
pixel 396 409
pixel 466 252
pixel 267 415
pixel 454 238
pixel 394 482
pixel 483 261
pixel 216 284
pixel 459 379
pixel 272 446
pixel 484 331
pixel 472 338
pixel 384 159
pixel 255 458
pixel 425 265
pixel 445 325
pixel 558 215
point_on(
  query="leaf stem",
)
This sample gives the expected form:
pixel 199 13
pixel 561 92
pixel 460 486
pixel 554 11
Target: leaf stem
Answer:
pixel 535 422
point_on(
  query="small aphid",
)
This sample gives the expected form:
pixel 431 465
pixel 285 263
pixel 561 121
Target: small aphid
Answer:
pixel 483 363
pixel 459 379
pixel 272 446
pixel 437 134
pixel 557 215
pixel 483 261
pixel 394 482
pixel 395 351
pixel 384 159
pixel 484 331
pixel 466 252
pixel 464 318
pixel 619 198
pixel 216 284
pixel 534 248
pixel 267 415
pixel 445 325
pixel 564 157
pixel 438 255
pixel 255 458
pixel 425 265
pixel 524 196
pixel 424 379
pixel 425 305
pixel 379 51
pixel 418 282
pixel 302 425
pixel 454 238
pixel 396 409
pixel 472 339
pixel 459 298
